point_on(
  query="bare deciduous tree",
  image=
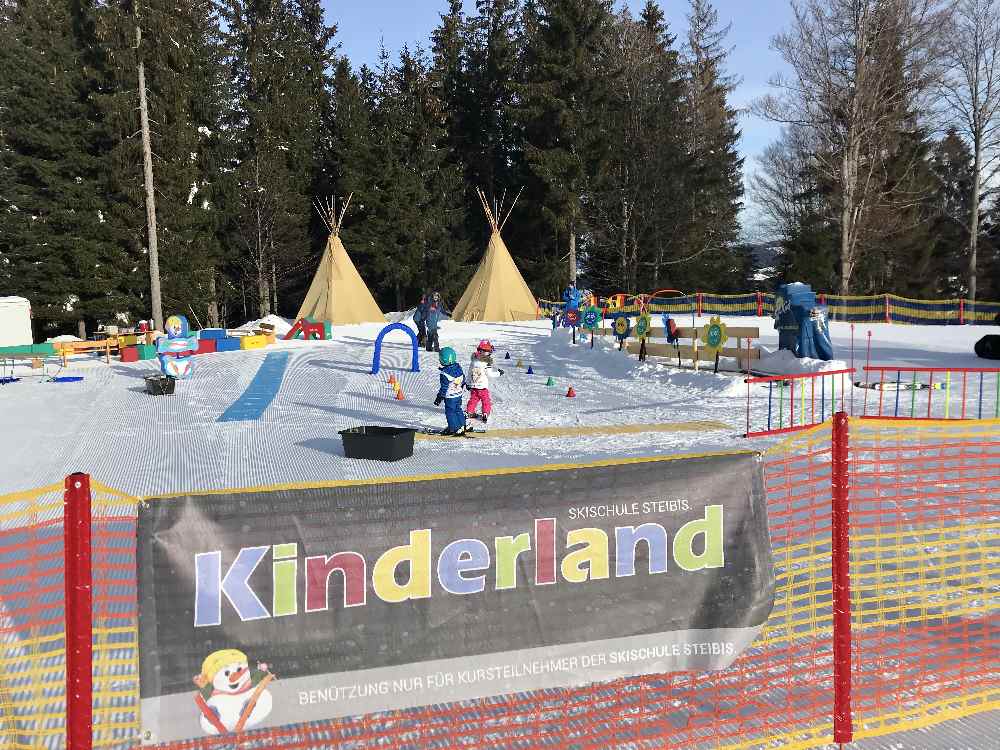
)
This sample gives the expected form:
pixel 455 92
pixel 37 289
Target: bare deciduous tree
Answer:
pixel 856 65
pixel 785 186
pixel 970 93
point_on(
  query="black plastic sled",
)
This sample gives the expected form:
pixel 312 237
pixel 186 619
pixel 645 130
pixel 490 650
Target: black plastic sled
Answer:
pixel 988 347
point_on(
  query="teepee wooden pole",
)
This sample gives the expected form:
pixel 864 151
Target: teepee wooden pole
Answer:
pixel 321 210
pixel 490 217
pixel 511 209
pixel 343 213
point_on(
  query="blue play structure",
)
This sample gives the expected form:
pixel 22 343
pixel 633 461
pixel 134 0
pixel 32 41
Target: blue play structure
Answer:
pixel 261 391
pixel 414 365
pixel 803 327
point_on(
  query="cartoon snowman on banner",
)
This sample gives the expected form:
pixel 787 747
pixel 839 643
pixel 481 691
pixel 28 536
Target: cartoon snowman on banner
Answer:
pixel 231 696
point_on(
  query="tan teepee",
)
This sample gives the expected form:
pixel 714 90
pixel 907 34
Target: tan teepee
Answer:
pixel 338 293
pixel 497 291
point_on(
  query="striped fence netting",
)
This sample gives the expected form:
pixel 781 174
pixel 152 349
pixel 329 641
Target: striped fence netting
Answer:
pixel 730 304
pixel 882 308
pixel 925 561
pixel 981 312
pixel 925 572
pixel 32 620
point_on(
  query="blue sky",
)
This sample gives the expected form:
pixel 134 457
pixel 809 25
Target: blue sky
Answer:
pixel 362 25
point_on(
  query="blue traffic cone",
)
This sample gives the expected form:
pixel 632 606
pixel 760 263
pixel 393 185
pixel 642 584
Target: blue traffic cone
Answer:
pixel 530 371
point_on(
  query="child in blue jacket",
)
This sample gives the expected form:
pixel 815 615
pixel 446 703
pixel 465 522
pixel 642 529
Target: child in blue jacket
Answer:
pixel 451 391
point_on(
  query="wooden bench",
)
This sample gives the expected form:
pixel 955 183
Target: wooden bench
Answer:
pixel 69 348
pixel 696 351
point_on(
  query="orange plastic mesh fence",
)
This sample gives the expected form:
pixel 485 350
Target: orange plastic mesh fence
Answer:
pixel 32 628
pixel 924 570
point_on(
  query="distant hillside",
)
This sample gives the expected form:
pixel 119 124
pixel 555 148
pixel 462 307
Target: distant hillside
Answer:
pixel 765 258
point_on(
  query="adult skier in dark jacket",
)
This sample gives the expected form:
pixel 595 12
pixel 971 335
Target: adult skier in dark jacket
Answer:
pixel 420 318
pixel 436 312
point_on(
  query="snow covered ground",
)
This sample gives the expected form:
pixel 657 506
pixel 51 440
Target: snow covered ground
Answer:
pixel 108 426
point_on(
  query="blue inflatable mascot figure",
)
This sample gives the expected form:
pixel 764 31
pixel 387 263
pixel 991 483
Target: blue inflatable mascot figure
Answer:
pixel 802 324
pixel 176 349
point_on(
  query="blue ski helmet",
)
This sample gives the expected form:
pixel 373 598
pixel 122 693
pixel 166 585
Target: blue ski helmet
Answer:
pixel 448 356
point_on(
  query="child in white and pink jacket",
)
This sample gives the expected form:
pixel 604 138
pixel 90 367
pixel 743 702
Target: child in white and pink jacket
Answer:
pixel 480 372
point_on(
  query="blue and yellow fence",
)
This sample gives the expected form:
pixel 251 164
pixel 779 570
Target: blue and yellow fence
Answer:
pixel 881 308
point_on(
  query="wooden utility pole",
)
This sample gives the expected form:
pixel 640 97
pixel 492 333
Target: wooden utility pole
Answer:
pixel 572 253
pixel 147 169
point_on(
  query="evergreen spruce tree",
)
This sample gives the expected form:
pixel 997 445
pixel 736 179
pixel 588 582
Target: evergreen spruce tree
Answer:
pixel 184 91
pixel 408 190
pixel 714 186
pixel 275 126
pixel 665 159
pixel 562 93
pixel 948 206
pixel 354 158
pixel 635 196
pixel 448 74
pixel 493 52
pixel 318 62
pixel 990 276
pixel 56 246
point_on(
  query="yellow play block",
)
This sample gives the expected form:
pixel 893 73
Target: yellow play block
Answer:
pixel 253 342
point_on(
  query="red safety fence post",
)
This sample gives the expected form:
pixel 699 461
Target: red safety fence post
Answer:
pixel 852 369
pixel 760 304
pixel 700 296
pixel 843 730
pixel 747 381
pixel 79 617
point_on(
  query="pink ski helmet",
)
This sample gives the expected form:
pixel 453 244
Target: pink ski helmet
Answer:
pixel 485 346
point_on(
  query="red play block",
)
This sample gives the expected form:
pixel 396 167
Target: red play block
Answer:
pixel 206 346
pixel 130 354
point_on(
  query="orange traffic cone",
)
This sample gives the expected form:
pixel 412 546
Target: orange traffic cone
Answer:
pixel 392 379
pixel 399 394
pixel 571 393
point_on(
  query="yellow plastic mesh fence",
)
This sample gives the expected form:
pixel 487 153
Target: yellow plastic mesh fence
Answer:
pixel 925 561
pixel 32 620
pixel 925 572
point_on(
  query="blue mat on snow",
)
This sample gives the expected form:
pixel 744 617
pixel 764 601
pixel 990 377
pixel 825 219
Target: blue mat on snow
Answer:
pixel 261 391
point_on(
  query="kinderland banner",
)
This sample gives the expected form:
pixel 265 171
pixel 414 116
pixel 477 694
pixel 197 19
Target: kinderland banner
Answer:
pixel 264 608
